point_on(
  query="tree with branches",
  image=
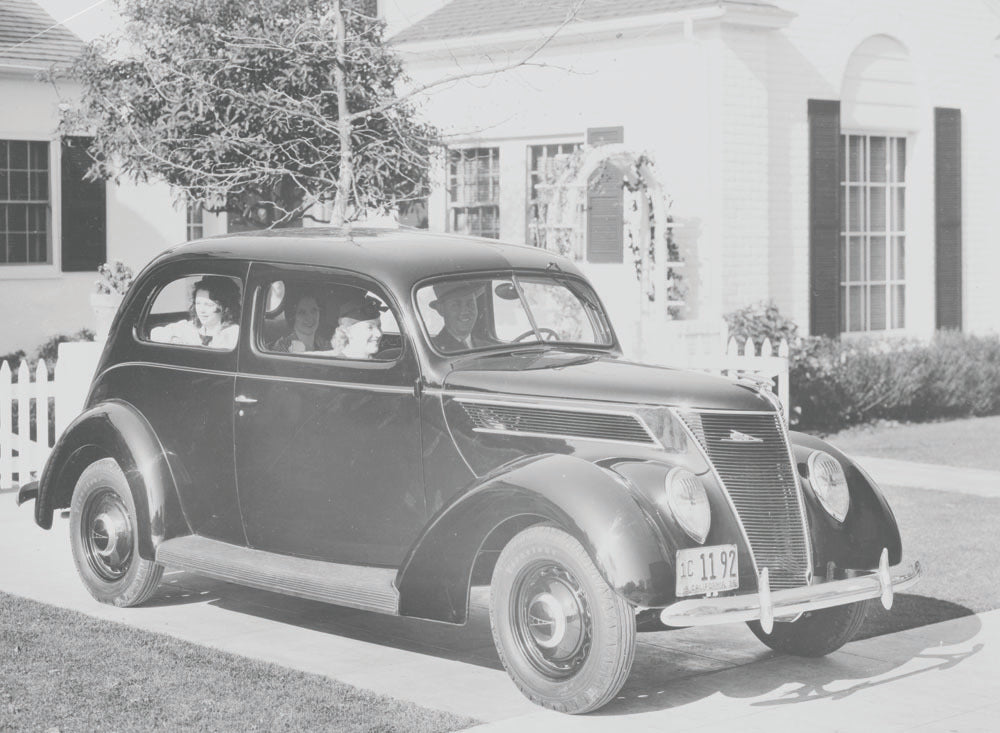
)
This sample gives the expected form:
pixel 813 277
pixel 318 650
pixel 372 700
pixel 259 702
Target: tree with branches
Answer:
pixel 255 105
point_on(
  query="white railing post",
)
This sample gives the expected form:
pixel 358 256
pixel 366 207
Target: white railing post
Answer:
pixel 22 393
pixel 74 370
pixel 43 389
pixel 6 401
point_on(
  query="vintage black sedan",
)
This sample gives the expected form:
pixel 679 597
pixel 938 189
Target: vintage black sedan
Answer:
pixel 383 419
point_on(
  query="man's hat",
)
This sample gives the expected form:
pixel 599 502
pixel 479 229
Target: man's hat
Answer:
pixel 457 289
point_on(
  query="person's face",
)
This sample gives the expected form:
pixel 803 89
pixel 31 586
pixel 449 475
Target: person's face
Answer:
pixel 207 310
pixel 307 316
pixel 364 336
pixel 459 313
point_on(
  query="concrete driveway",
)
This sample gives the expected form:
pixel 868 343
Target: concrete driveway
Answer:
pixel 936 678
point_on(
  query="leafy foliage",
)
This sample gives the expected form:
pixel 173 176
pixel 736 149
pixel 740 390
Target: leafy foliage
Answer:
pixel 115 277
pixel 234 103
pixel 761 321
pixel 834 384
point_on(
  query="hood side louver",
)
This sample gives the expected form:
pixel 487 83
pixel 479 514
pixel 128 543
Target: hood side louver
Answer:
pixel 509 418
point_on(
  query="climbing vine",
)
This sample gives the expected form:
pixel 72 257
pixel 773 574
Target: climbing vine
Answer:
pixel 560 218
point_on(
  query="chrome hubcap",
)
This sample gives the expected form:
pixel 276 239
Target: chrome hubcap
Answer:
pixel 107 535
pixel 551 618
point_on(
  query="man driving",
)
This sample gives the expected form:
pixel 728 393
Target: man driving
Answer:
pixel 456 302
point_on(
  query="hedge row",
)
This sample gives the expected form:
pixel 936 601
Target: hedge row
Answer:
pixel 834 384
pixel 837 383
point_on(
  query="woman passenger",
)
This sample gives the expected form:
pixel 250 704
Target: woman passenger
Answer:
pixel 302 314
pixel 214 317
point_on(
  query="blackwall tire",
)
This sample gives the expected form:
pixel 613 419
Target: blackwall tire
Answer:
pixel 104 537
pixel 816 633
pixel 565 638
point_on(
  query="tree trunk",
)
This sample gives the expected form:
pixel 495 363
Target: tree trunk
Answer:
pixel 345 177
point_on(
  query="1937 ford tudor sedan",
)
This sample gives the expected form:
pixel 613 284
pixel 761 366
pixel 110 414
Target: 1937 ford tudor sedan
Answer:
pixel 383 419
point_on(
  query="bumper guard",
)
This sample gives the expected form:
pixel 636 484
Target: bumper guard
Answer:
pixel 766 605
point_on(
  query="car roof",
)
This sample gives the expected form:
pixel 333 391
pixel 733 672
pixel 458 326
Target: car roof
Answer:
pixel 399 257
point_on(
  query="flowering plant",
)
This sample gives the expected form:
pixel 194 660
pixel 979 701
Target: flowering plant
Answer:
pixel 116 277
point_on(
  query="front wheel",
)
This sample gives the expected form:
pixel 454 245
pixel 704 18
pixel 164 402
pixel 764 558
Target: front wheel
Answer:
pixel 103 536
pixel 816 633
pixel 564 636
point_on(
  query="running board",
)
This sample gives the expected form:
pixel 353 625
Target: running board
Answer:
pixel 356 586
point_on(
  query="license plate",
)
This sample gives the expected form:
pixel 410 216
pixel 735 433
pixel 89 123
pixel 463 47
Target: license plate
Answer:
pixel 707 570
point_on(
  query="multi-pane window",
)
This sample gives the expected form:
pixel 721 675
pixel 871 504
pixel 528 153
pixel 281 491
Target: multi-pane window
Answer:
pixel 195 222
pixel 543 161
pixel 24 202
pixel 474 191
pixel 873 233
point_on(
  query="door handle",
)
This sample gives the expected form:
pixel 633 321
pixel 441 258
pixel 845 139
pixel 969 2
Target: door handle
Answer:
pixel 244 400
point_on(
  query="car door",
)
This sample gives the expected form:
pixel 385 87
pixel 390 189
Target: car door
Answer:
pixel 328 448
pixel 184 388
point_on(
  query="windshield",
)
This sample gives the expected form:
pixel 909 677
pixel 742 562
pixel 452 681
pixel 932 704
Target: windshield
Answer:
pixel 487 312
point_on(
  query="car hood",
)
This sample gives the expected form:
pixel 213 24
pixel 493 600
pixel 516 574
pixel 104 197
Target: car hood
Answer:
pixel 604 378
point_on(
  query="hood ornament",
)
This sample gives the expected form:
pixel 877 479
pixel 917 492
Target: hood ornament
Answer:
pixel 735 436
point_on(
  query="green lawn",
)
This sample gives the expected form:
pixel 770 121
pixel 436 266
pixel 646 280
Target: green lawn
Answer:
pixel 953 536
pixel 968 443
pixel 63 670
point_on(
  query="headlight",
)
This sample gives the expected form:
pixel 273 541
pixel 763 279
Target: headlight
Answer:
pixel 688 502
pixel 830 484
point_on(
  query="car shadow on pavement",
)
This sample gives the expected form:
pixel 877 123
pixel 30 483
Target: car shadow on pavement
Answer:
pixel 672 668
pixel 857 666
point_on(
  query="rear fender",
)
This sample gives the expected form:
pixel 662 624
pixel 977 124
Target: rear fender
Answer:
pixel 595 505
pixel 869 525
pixel 115 429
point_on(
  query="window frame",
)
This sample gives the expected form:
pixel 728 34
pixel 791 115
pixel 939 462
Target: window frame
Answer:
pixel 265 273
pixel 613 346
pixel 457 182
pixel 51 266
pixel 532 172
pixel 893 278
pixel 168 278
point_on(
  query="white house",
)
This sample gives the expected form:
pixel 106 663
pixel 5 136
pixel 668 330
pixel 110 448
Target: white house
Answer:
pixel 838 156
pixel 56 228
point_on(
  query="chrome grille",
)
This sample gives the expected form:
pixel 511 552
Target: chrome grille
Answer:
pixel 751 457
pixel 494 417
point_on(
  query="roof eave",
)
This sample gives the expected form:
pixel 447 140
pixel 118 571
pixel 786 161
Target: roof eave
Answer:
pixel 755 16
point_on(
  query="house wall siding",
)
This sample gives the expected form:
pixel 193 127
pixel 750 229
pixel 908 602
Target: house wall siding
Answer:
pixel 141 222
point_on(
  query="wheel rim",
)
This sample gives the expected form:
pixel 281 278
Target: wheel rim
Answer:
pixel 106 530
pixel 551 619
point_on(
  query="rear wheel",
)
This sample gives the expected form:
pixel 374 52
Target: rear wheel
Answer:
pixel 103 535
pixel 566 639
pixel 816 633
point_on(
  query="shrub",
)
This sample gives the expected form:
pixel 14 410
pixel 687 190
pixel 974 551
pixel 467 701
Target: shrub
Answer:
pixel 760 321
pixel 834 384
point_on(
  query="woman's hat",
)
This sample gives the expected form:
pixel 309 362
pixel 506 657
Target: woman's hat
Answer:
pixel 365 308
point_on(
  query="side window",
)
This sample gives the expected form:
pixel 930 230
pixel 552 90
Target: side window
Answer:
pixel 333 319
pixel 198 310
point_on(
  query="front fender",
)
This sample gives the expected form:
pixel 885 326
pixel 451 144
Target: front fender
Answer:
pixel 869 525
pixel 115 429
pixel 593 504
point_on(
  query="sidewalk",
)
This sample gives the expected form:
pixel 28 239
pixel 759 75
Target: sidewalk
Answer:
pixel 931 476
pixel 935 678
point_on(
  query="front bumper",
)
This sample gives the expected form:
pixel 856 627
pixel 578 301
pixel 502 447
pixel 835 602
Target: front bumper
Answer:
pixel 766 605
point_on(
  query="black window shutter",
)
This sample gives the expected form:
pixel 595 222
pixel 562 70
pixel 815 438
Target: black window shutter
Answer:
pixel 605 203
pixel 825 161
pixel 84 210
pixel 948 216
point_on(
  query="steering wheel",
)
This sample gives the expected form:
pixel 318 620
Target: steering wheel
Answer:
pixel 547 334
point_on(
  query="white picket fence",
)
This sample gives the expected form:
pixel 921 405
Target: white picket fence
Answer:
pixel 768 365
pixel 22 455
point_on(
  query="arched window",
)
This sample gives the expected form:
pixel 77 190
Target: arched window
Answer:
pixel 879 110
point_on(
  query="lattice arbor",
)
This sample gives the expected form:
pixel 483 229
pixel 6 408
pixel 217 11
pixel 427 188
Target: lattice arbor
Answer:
pixel 560 220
